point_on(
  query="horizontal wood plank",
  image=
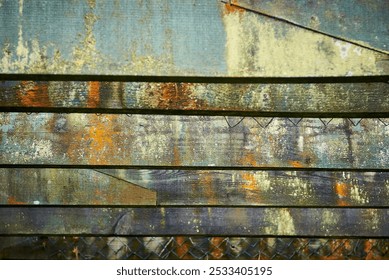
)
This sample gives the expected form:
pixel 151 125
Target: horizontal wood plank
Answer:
pixel 192 141
pixel 69 187
pixel 364 23
pixel 205 98
pixel 264 188
pixel 195 221
pixel 172 38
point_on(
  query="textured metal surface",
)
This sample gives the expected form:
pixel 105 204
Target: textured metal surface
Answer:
pixel 191 248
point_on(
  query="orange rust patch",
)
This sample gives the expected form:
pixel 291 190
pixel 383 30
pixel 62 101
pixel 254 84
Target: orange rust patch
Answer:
pixel 93 95
pixel 296 164
pixel 250 183
pixel 232 7
pixel 12 200
pixel 102 143
pixel 174 96
pixel 368 248
pixel 33 94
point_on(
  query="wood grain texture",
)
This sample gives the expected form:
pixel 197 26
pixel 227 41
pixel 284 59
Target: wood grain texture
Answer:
pixel 362 22
pixel 262 188
pixel 25 186
pixel 173 38
pixel 195 221
pixel 253 99
pixel 192 141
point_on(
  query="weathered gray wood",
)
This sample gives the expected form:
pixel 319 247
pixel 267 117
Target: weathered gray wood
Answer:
pixel 192 141
pixel 254 99
pixel 264 188
pixel 195 221
pixel 362 22
pixel 69 187
pixel 172 38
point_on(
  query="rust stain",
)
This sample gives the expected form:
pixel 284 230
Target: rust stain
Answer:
pixel 93 94
pixel 101 136
pixel 296 164
pixel 182 248
pixel 33 94
pixel 338 248
pixel 341 189
pixel 94 144
pixel 232 7
pixel 13 201
pixel 206 181
pixel 216 249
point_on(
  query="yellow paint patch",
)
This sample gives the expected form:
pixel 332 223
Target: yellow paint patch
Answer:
pixel 260 46
pixel 296 164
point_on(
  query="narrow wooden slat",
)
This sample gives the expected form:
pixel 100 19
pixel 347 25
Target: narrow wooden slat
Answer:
pixel 173 38
pixel 69 187
pixel 265 188
pixel 195 221
pixel 362 22
pixel 254 99
pixel 192 141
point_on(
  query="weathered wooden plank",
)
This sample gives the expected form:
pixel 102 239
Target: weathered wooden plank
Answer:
pixel 253 99
pixel 195 221
pixel 192 141
pixel 262 188
pixel 362 22
pixel 69 187
pixel 172 38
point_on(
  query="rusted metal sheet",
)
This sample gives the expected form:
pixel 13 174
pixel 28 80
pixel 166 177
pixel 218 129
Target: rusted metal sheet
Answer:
pixel 362 22
pixel 192 141
pixel 169 38
pixel 262 188
pixel 196 98
pixel 25 186
pixel 235 221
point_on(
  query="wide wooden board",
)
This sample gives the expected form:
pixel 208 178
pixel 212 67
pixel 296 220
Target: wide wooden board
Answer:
pixel 169 38
pixel 195 221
